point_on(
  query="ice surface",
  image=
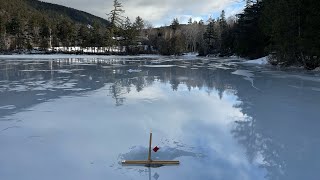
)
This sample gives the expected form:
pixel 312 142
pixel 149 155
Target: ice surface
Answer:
pixel 9 107
pixel 159 66
pixel 134 70
pixel 60 119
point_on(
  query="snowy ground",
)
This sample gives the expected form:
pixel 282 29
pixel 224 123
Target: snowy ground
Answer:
pixel 260 61
pixel 64 56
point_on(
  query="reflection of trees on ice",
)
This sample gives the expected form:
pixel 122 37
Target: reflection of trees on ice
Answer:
pixel 281 129
pixel 258 147
pixel 202 79
pixel 117 93
pixel 121 87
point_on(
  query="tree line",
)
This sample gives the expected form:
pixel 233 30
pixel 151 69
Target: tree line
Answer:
pixel 24 26
pixel 286 30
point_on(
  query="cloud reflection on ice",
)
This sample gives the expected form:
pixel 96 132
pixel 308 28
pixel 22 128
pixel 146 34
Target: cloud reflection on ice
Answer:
pixel 75 125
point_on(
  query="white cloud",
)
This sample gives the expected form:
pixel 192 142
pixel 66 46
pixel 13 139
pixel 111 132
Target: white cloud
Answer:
pixel 155 11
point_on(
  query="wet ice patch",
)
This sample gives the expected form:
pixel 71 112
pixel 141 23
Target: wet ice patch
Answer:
pixel 301 76
pixel 33 63
pixel 134 70
pixel 245 73
pixel 8 107
pixel 306 87
pixel 107 67
pixel 222 66
pixel 159 66
pixel 248 75
pixel 19 88
pixel 315 89
pixel 66 71
pixel 8 128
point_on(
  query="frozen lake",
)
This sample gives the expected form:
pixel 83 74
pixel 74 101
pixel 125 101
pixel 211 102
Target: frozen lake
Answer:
pixel 78 117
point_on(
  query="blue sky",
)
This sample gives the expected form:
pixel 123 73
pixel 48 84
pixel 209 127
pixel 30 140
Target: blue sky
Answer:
pixel 160 12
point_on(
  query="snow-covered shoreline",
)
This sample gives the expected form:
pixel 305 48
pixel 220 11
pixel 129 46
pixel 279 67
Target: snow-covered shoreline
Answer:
pixel 260 61
pixel 59 56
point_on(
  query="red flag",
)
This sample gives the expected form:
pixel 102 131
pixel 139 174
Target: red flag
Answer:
pixel 156 149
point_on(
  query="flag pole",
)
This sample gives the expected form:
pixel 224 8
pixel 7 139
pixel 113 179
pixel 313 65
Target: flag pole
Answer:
pixel 150 141
pixel 149 162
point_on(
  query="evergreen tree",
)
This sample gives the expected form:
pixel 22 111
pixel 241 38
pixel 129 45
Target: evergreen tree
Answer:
pixel 222 20
pixel 224 35
pixel 33 30
pixel 130 32
pixel 45 34
pixel 127 24
pixel 175 24
pixel 210 37
pixel 14 27
pixel 139 23
pixel 84 36
pixel 177 44
pixel 66 33
pixel 293 27
pixel 250 39
pixel 108 40
pixel 96 35
pixel 2 33
pixel 309 34
pixel 248 3
pixel 115 16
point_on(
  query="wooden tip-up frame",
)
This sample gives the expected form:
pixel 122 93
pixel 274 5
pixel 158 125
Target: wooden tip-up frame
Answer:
pixel 150 162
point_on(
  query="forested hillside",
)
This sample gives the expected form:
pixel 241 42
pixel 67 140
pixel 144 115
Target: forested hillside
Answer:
pixel 31 23
pixel 54 11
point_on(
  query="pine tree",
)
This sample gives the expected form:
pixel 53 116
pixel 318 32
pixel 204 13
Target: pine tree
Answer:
pixel 250 39
pixel 222 20
pixel 96 35
pixel 14 27
pixel 127 24
pixel 293 28
pixel 130 31
pixel 210 37
pixel 2 33
pixel 224 33
pixel 45 34
pixel 108 40
pixel 175 24
pixel 66 33
pixel 115 16
pixel 84 36
pixel 139 23
pixel 248 3
pixel 310 36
